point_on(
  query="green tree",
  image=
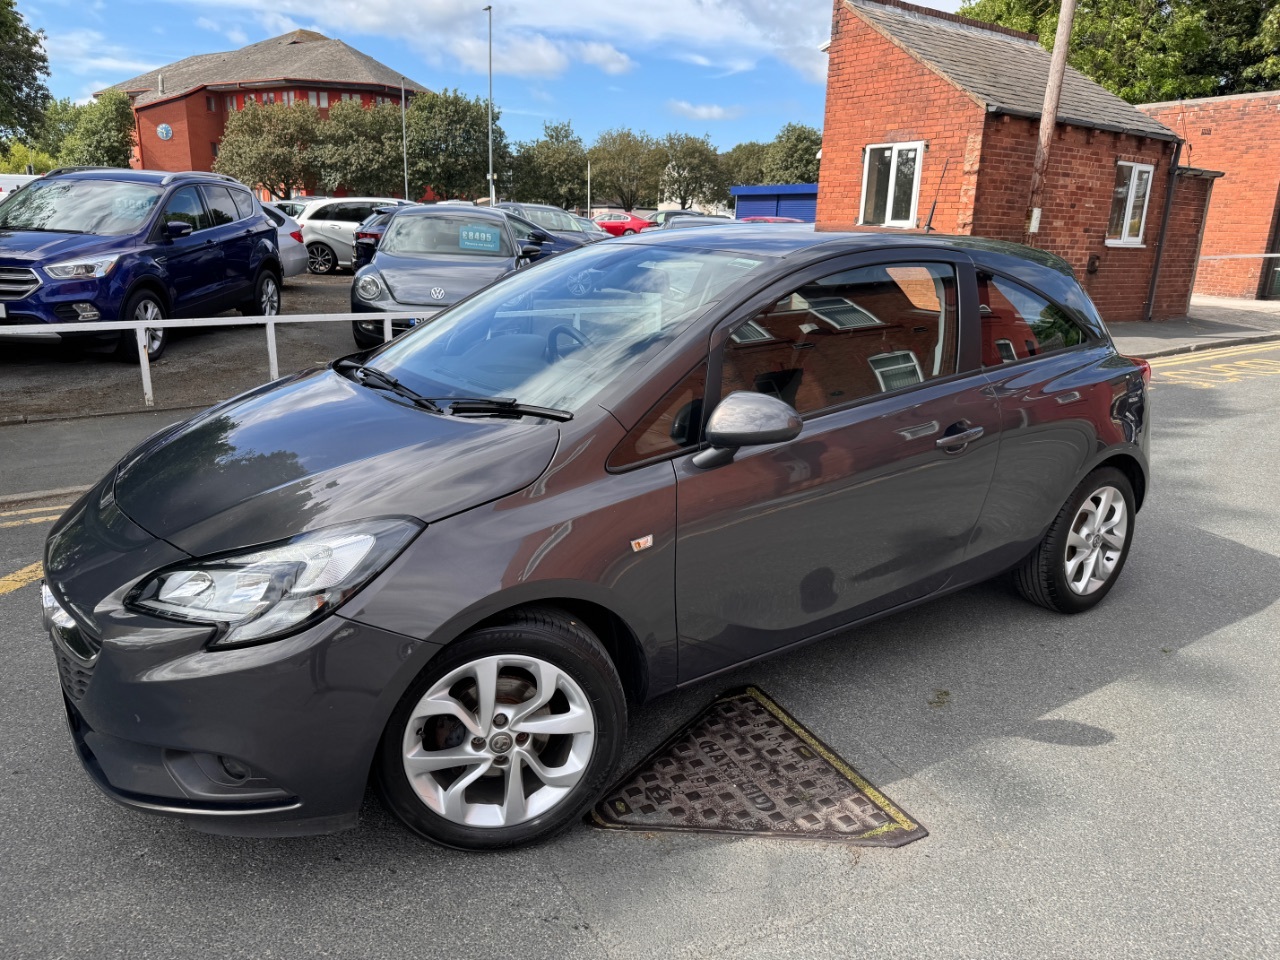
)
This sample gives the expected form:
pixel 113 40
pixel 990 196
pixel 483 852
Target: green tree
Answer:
pixel 22 65
pixel 743 165
pixel 627 166
pixel 792 156
pixel 103 135
pixel 60 119
pixel 449 144
pixel 552 169
pixel 271 146
pixel 19 155
pixel 691 170
pixel 360 148
pixel 1150 50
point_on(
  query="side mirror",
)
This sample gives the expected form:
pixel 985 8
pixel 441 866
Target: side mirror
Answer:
pixel 744 419
pixel 530 251
pixel 541 236
pixel 176 228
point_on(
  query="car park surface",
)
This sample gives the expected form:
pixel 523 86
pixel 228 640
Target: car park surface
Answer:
pixel 87 244
pixel 939 451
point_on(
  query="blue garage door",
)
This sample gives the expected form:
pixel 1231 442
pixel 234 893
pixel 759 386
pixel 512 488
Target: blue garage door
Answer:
pixel 800 207
pixel 766 206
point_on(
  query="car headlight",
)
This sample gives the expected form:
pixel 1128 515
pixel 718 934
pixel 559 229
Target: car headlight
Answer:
pixel 268 592
pixel 82 269
pixel 369 287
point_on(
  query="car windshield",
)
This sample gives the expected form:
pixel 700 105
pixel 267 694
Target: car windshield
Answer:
pixel 434 235
pixel 556 335
pixel 106 208
pixel 552 219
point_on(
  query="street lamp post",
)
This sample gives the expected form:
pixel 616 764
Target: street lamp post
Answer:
pixel 493 196
pixel 404 141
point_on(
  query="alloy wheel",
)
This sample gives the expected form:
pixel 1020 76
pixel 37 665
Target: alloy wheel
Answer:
pixel 320 258
pixel 1096 541
pixel 148 311
pixel 269 297
pixel 499 741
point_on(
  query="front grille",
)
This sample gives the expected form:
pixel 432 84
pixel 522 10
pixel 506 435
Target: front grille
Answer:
pixel 16 283
pixel 75 674
pixel 67 313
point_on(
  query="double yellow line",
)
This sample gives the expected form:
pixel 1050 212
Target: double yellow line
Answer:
pixel 21 518
pixel 1210 356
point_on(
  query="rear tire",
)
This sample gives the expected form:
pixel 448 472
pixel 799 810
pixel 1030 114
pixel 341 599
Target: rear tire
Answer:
pixel 266 295
pixel 628 232
pixel 143 306
pixel 554 719
pixel 321 258
pixel 1081 556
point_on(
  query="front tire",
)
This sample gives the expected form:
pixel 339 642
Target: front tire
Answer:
pixel 628 232
pixel 1080 558
pixel 143 307
pixel 507 736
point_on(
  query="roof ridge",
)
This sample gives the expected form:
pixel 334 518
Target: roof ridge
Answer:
pixel 952 18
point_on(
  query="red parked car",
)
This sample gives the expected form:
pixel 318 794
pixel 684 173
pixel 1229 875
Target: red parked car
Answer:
pixel 620 224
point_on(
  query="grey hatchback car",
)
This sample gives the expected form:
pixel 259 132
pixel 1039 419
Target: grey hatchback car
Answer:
pixel 456 562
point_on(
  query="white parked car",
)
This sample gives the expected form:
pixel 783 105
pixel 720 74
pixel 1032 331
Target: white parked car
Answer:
pixel 293 249
pixel 329 229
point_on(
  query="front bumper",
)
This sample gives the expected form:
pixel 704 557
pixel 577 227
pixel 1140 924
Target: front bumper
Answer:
pixel 56 302
pixel 270 740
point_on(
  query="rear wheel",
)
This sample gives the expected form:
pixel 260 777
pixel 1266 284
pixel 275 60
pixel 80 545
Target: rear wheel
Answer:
pixel 1080 558
pixel 143 307
pixel 266 295
pixel 627 232
pixel 321 258
pixel 507 737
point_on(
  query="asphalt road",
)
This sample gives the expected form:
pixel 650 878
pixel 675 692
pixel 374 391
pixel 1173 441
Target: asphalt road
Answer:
pixel 1099 786
pixel 198 368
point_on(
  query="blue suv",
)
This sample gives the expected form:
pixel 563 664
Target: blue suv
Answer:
pixel 86 244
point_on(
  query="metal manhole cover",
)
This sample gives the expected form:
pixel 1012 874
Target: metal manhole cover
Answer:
pixel 744 766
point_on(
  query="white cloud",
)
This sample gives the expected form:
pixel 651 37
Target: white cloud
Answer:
pixel 703 111
pixel 543 40
pixel 87 51
pixel 234 32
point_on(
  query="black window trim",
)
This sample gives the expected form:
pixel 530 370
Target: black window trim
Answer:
pixel 208 203
pixel 1091 339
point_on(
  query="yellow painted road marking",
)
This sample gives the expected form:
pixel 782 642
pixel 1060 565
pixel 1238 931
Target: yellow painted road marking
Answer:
pixel 1209 356
pixel 19 513
pixel 21 578
pixel 27 520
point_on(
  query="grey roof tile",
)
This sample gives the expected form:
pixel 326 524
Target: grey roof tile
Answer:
pixel 1003 72
pixel 301 57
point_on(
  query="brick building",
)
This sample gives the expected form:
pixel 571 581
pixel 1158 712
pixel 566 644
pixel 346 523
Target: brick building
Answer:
pixel 181 109
pixel 1240 256
pixel 932 121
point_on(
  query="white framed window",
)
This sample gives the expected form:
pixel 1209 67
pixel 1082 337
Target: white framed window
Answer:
pixel 896 370
pixel 1128 220
pixel 324 98
pixel 231 103
pixel 314 97
pixel 891 183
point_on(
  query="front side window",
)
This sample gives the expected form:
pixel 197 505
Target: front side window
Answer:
pixel 104 208
pixel 848 337
pixel 556 335
pixel 891 184
pixel 1018 323
pixel 185 206
pixel 1128 219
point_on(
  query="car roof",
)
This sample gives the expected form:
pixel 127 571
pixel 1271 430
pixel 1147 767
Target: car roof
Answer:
pixel 788 239
pixel 125 175
pixel 427 209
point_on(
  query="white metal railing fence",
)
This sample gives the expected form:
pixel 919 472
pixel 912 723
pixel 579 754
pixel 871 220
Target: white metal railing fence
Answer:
pixel 41 330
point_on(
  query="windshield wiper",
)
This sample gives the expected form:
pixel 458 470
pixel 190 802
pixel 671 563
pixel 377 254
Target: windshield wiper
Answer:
pixel 21 229
pixel 375 379
pixel 502 405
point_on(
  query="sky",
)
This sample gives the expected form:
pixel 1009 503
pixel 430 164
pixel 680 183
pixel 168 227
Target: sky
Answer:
pixel 735 70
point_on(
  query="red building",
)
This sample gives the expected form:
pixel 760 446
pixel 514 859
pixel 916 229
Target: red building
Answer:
pixel 182 108
pixel 932 121
pixel 1240 255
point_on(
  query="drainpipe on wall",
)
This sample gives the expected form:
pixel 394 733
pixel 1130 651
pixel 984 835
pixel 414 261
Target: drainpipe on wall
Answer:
pixel 1164 228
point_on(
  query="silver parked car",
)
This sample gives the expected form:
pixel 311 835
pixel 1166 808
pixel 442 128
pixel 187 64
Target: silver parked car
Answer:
pixel 329 229
pixel 293 250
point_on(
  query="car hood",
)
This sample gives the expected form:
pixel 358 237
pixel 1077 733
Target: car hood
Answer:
pixel 316 450
pixel 30 246
pixel 415 280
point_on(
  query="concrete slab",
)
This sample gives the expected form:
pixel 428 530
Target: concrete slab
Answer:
pixel 1213 322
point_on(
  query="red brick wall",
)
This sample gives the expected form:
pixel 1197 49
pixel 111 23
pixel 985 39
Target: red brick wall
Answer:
pixel 1182 247
pixel 1078 189
pixel 878 93
pixel 157 154
pixel 1241 137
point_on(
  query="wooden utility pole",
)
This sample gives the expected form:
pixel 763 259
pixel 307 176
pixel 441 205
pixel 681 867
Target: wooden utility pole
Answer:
pixel 1049 112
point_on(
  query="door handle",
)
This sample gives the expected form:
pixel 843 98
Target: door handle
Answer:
pixel 959 439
